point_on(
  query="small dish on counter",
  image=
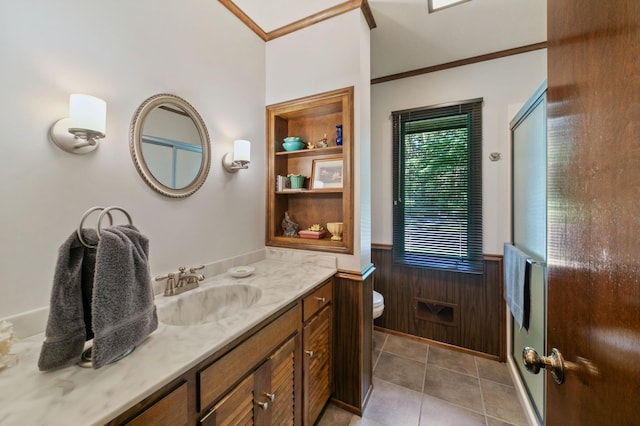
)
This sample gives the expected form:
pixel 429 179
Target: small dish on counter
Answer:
pixel 241 271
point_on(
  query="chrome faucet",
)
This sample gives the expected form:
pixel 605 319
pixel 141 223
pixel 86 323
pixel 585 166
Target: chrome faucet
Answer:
pixel 181 281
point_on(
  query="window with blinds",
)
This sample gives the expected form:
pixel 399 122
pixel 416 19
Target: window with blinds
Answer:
pixel 437 213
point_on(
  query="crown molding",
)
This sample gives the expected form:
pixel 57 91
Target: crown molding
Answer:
pixel 323 15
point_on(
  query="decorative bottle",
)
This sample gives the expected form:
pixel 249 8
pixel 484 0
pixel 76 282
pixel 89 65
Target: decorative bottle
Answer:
pixel 339 135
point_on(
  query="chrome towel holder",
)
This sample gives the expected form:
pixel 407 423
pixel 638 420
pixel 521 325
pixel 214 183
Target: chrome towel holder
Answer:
pixel 105 211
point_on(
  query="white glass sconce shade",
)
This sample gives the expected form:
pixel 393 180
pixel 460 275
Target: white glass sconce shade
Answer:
pixel 239 158
pixel 86 123
pixel 87 113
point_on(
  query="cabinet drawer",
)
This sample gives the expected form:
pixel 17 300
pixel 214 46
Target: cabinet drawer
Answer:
pixel 170 410
pixel 216 379
pixel 317 300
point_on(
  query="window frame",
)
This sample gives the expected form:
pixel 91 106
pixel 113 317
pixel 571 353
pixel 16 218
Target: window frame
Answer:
pixel 472 261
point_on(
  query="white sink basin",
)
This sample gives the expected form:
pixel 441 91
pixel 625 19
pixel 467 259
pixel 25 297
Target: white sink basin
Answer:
pixel 205 305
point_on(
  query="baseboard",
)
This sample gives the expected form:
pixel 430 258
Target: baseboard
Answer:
pixel 527 406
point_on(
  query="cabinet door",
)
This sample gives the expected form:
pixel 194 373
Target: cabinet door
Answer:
pixel 274 395
pixel 234 409
pixel 316 337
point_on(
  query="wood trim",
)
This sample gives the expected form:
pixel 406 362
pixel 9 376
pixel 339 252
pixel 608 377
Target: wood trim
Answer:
pixel 368 15
pixel 300 24
pixel 233 8
pixel 356 275
pixel 437 343
pixel 308 21
pixel 382 246
pixel 462 62
pixel 489 257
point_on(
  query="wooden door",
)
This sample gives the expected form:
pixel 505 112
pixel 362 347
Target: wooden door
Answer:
pixel 236 408
pixel 317 388
pixel 274 391
pixel 594 210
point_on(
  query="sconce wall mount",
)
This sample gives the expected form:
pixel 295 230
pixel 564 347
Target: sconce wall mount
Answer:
pixel 239 158
pixel 79 133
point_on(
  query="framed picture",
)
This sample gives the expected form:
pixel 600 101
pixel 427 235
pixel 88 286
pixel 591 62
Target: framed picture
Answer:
pixel 327 173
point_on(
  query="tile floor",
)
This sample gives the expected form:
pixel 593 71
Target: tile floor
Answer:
pixel 420 384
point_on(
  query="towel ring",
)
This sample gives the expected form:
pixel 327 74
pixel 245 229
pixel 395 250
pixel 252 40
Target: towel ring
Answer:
pixel 106 211
pixel 84 216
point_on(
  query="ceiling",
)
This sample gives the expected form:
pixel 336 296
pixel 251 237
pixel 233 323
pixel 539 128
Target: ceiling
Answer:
pixel 408 38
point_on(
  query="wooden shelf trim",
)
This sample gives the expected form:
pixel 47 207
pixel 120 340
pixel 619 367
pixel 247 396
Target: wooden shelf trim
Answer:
pixel 311 191
pixel 313 151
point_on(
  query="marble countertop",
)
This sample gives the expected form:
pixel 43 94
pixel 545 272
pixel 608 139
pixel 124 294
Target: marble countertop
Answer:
pixel 85 396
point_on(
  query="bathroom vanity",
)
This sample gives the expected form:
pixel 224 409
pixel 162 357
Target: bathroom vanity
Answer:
pixel 271 361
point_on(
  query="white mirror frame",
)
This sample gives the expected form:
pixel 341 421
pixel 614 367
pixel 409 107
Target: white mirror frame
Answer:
pixel 135 145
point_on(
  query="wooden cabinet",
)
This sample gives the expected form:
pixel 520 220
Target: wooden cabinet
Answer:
pixel 317 352
pixel 171 410
pixel 278 373
pixel 311 118
pixel 274 393
pixel 235 408
pixel 269 387
pixel 264 397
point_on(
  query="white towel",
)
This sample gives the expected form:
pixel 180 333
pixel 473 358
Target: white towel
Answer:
pixel 516 288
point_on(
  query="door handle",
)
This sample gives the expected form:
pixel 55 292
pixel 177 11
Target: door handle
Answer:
pixel 554 363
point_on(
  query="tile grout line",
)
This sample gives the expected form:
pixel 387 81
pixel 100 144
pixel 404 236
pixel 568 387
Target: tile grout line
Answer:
pixel 386 336
pixel 424 378
pixel 484 406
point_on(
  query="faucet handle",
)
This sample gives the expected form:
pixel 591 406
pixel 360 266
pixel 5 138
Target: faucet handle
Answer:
pixel 164 277
pixel 182 269
pixel 195 268
pixel 169 289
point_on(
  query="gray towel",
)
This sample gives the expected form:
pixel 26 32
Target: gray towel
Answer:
pixel 516 284
pixel 66 327
pixel 124 313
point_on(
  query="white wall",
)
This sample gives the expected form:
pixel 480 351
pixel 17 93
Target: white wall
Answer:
pixel 122 51
pixel 331 55
pixel 501 82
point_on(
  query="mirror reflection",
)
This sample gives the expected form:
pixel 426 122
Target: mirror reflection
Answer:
pixel 170 145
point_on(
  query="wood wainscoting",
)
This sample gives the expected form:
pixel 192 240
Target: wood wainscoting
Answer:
pixel 353 338
pixel 463 310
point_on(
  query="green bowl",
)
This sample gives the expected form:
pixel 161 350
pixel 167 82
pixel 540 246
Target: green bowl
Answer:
pixel 293 146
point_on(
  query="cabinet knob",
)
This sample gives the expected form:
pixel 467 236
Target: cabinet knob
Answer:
pixel 310 353
pixel 263 405
pixel 321 299
pixel 271 396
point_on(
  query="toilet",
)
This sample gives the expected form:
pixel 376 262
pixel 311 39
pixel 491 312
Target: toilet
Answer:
pixel 378 304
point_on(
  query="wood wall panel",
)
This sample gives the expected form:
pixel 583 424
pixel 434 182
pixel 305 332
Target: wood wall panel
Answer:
pixel 477 299
pixel 353 339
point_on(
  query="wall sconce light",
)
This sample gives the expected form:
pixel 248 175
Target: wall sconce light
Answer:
pixel 86 124
pixel 239 158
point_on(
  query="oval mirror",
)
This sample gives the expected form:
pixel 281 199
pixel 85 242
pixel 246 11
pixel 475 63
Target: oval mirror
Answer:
pixel 170 145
